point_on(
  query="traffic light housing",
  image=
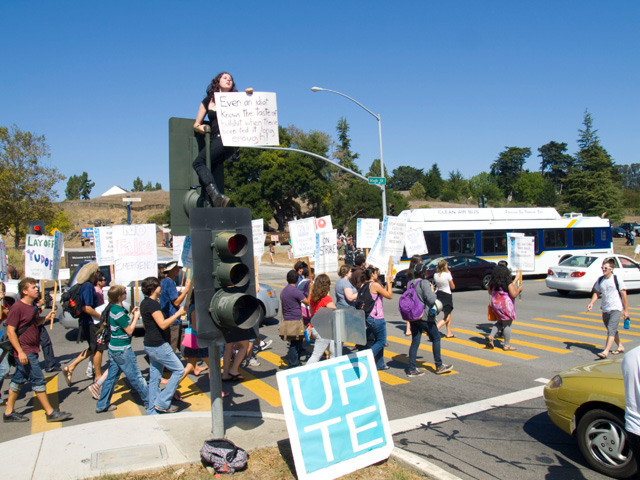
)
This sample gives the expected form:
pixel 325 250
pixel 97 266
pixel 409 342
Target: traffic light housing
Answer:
pixel 185 191
pixel 482 201
pixel 392 209
pixel 224 275
pixel 36 227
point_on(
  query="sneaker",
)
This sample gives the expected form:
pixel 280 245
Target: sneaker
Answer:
pixel 265 344
pixel 58 416
pixel 95 388
pixel 14 417
pixel 444 369
pixel 110 408
pixel 171 409
pixel 415 373
pixel 89 371
pixel 386 367
pixel 253 362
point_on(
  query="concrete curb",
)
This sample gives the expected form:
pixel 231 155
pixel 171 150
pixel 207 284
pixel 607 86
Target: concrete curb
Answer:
pixel 420 465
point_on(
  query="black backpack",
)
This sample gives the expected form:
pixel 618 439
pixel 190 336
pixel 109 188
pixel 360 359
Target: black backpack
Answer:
pixel 71 301
pixel 365 301
pixel 103 335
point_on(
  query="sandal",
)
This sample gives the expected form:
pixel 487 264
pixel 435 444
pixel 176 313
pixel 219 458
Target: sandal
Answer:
pixel 617 352
pixel 234 378
pixel 67 375
pixel 508 347
pixel 489 342
pixel 450 336
pixel 602 355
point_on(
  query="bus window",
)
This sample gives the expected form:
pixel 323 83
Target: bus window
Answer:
pixel 530 233
pixel 494 241
pixel 434 242
pixel 462 242
pixel 583 237
pixel 555 238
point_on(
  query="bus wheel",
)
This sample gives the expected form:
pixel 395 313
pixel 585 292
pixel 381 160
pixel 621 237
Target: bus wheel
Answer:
pixel 564 293
pixel 485 281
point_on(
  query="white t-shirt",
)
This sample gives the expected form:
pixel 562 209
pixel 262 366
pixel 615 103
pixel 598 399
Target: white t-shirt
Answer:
pixel 611 300
pixel 442 281
pixel 631 374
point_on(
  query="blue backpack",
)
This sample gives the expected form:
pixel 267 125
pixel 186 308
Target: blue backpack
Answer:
pixel 410 306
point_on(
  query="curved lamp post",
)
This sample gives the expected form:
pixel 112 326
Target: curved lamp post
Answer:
pixel 377 117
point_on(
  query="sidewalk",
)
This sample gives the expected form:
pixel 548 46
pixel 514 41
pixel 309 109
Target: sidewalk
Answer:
pixel 146 443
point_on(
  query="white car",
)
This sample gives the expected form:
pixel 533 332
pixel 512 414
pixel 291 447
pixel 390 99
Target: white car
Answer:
pixel 579 273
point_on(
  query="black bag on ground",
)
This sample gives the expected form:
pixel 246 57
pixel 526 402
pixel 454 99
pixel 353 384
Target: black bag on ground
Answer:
pixel 71 301
pixel 365 301
pixel 223 455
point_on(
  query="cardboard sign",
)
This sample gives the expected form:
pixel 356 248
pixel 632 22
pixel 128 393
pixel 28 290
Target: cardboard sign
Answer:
pixel 393 229
pixel 336 416
pixel 257 229
pixel 324 223
pixel 521 252
pixel 104 245
pixel 376 256
pixel 4 274
pixel 178 244
pixel 367 232
pixel 414 242
pixel 326 252
pixel 185 255
pixel 135 252
pixel 303 237
pixel 42 256
pixel 247 120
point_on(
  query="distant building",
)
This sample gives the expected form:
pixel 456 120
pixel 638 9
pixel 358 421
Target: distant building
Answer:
pixel 115 190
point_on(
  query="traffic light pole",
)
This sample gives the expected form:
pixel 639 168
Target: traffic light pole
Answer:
pixel 215 389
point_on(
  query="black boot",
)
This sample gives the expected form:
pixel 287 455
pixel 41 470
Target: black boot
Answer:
pixel 217 199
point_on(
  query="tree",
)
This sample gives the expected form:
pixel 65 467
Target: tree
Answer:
pixel 533 188
pixel 374 169
pixel 433 182
pixel 417 191
pixel 455 187
pixel 485 184
pixel 630 175
pixel 26 184
pixel 343 153
pixel 508 167
pixel 404 177
pixel 79 187
pixel 138 186
pixel 555 164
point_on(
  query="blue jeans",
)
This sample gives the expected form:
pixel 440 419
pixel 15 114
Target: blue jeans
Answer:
pixel 430 327
pixel 296 347
pixel 160 357
pixel 379 328
pixel 122 362
pixel 31 372
pixel 4 369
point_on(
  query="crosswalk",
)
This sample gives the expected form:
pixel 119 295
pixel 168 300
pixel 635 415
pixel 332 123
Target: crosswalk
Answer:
pixel 533 337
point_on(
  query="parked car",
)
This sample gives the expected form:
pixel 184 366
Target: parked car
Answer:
pixel 578 273
pixel 635 225
pixel 618 232
pixel 466 270
pixel 588 403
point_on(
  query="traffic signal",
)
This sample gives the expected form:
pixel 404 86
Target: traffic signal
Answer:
pixel 482 201
pixel 224 275
pixel 391 209
pixel 36 227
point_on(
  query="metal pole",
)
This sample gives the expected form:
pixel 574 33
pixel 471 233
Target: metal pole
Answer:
pixel 215 388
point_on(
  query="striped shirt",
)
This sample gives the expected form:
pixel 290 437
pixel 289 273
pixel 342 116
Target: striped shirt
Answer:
pixel 118 320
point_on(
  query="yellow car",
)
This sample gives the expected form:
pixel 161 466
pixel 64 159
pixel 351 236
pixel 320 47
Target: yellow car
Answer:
pixel 588 401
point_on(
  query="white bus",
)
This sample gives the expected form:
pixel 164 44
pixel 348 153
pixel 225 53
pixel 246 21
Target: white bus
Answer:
pixel 483 232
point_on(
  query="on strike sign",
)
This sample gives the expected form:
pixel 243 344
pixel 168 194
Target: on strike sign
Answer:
pixel 336 417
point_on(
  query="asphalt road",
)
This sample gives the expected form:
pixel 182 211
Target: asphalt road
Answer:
pixel 551 333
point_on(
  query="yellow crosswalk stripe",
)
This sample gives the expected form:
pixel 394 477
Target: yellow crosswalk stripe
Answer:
pixel 592 320
pixel 38 415
pixel 123 399
pixel 275 285
pixel 390 379
pixel 580 325
pixel 550 337
pixel 192 394
pixel 420 364
pixel 562 330
pixel 520 342
pixel 448 353
pixel 261 389
pixel 271 358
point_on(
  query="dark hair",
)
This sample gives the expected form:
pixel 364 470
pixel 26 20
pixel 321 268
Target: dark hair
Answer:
pixel 420 271
pixel 344 269
pixel 305 272
pixel 299 264
pixel 292 277
pixel 503 263
pixel 500 278
pixel 149 285
pixel 23 284
pixel 214 86
pixel 321 286
pixel 359 260
pixel 369 271
pixel 415 260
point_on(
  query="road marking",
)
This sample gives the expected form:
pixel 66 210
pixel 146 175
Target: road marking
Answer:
pixel 272 358
pixel 439 416
pixel 192 394
pixel 592 320
pixel 549 337
pixel 482 346
pixel 553 329
pixel 390 379
pixel 38 415
pixel 589 327
pixel 123 399
pixel 275 285
pixel 260 388
pixel 448 353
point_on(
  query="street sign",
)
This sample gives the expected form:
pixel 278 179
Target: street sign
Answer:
pixel 131 199
pixel 377 180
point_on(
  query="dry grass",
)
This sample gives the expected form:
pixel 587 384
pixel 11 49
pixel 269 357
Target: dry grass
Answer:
pixel 274 463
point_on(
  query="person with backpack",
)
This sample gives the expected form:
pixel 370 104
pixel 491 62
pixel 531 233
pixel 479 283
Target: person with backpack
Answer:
pixel 369 299
pixel 415 260
pixel 503 291
pixel 426 323
pixel 614 306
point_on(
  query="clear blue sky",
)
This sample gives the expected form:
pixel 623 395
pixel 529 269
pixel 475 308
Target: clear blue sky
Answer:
pixel 455 82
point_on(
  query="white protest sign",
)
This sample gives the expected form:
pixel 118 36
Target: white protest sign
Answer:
pixel 247 120
pixel 303 237
pixel 135 252
pixel 178 244
pixel 42 256
pixel 324 223
pixel 103 243
pixel 186 256
pixel 521 252
pixel 64 274
pixel 376 256
pixel 367 232
pixel 393 229
pixel 414 242
pixel 4 273
pixel 326 251
pixel 336 416
pixel 257 229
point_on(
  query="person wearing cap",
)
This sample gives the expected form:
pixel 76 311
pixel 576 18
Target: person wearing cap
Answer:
pixel 170 301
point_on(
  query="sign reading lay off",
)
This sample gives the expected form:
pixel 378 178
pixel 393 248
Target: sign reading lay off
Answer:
pixel 247 120
pixel 336 417
pixel 42 256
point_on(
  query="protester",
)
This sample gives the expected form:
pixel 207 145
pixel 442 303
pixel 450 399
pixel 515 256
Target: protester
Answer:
pixel 319 297
pixel 444 284
pixel 272 252
pixel 346 293
pixel 357 271
pixel 375 319
pixel 156 345
pixel 22 330
pixel 291 299
pixel 122 359
pixel 502 291
pixel 4 364
pixel 415 260
pixel 170 301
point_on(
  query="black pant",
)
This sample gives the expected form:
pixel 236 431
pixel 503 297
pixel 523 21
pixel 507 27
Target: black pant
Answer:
pixel 219 153
pixel 47 349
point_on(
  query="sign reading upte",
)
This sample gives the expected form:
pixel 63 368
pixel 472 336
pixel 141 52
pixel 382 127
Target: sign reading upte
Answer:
pixel 336 416
pixel 247 120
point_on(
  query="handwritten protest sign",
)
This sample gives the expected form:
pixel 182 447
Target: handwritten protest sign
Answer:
pixel 4 274
pixel 178 244
pixel 103 243
pixel 326 251
pixel 186 256
pixel 135 252
pixel 367 232
pixel 303 237
pixel 521 252
pixel 393 229
pixel 247 120
pixel 376 255
pixel 324 223
pixel 414 242
pixel 42 256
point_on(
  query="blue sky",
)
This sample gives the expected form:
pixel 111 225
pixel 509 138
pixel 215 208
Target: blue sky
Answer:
pixel 455 82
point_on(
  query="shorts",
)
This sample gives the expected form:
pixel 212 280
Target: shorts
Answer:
pixel 611 321
pixel 89 333
pixel 31 372
pixel 447 301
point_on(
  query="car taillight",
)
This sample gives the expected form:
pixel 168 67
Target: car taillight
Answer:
pixel 549 272
pixel 577 274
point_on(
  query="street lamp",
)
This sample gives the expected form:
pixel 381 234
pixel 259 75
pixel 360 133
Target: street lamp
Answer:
pixel 377 117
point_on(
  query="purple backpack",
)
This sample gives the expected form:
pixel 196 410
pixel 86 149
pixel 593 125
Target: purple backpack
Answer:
pixel 410 306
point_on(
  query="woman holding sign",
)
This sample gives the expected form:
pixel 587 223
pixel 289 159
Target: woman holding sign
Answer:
pixel 223 82
pixel 375 317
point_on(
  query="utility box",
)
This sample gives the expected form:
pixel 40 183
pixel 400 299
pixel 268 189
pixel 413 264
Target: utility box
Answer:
pixel 343 325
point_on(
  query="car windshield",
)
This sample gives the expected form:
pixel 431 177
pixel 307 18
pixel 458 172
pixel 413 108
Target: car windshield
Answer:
pixel 578 261
pixel 433 263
